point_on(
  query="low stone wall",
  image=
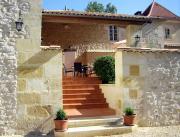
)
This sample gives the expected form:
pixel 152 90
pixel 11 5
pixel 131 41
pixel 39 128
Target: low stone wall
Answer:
pixel 113 97
pixel 150 84
pixel 39 91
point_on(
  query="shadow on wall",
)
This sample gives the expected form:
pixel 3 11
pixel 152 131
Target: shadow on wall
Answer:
pixel 36 61
pixel 38 132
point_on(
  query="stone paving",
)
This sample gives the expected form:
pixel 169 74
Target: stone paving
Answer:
pixel 169 131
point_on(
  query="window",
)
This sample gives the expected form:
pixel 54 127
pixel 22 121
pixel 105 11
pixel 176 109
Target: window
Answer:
pixel 113 33
pixel 167 33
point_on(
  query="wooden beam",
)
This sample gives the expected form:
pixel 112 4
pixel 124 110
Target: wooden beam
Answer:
pixel 80 20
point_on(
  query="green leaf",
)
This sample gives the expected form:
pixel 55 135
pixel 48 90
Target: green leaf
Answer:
pixel 104 67
pixel 94 6
pixel 61 115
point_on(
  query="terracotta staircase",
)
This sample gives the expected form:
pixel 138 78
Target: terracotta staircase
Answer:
pixel 82 97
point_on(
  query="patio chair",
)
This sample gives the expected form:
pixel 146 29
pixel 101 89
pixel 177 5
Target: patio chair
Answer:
pixel 91 71
pixel 78 69
pixel 67 70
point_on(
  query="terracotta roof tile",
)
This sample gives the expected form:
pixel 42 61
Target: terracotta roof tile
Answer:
pixel 95 15
pixel 157 10
pixel 154 11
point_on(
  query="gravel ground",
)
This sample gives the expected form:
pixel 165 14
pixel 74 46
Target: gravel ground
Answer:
pixel 169 131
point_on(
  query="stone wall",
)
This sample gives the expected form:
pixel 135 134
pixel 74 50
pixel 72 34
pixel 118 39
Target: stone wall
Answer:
pixel 68 35
pixel 114 97
pixel 39 78
pixel 153 35
pixel 90 57
pixel 31 78
pixel 39 90
pixel 162 90
pixel 149 82
pixel 88 40
pixel 175 32
pixel 9 11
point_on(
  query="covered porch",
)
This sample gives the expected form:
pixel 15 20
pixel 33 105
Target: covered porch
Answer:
pixel 86 36
pixel 83 37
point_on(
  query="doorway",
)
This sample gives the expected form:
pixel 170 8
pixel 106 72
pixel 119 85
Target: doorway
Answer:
pixel 69 58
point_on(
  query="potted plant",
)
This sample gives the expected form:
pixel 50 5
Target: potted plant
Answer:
pixel 61 121
pixel 129 116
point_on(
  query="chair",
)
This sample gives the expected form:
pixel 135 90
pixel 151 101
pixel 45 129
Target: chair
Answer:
pixel 67 70
pixel 91 71
pixel 78 68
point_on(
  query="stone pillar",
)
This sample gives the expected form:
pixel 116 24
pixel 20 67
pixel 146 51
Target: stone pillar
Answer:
pixel 118 68
pixel 119 75
pixel 39 78
pixel 9 11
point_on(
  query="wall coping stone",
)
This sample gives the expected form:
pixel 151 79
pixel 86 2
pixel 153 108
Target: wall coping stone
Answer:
pixel 51 47
pixel 147 50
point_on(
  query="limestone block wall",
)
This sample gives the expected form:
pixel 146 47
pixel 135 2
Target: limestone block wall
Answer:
pixel 150 84
pixel 68 35
pixel 39 92
pixel 153 35
pixel 9 13
pixel 114 97
pixel 39 78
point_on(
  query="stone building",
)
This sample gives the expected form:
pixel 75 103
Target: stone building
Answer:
pixel 162 32
pixel 32 59
pixel 156 27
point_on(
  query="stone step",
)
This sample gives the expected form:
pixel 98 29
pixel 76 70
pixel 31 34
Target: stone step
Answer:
pixel 92 131
pixel 83 100
pixel 81 86
pixel 85 105
pixel 93 112
pixel 95 121
pixel 78 91
pixel 83 95
pixel 80 78
pixel 69 82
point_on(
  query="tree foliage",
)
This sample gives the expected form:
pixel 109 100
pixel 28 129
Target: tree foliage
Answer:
pixel 94 6
pixel 110 8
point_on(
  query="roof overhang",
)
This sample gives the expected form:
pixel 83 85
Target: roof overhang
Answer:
pixel 93 18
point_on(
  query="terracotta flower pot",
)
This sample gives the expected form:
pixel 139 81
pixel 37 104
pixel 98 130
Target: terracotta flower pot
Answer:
pixel 129 120
pixel 61 125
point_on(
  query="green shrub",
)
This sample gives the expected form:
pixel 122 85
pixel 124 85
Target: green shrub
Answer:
pixel 104 67
pixel 128 111
pixel 61 115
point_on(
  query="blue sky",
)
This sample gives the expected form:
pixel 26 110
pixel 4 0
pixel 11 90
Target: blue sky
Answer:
pixel 123 6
